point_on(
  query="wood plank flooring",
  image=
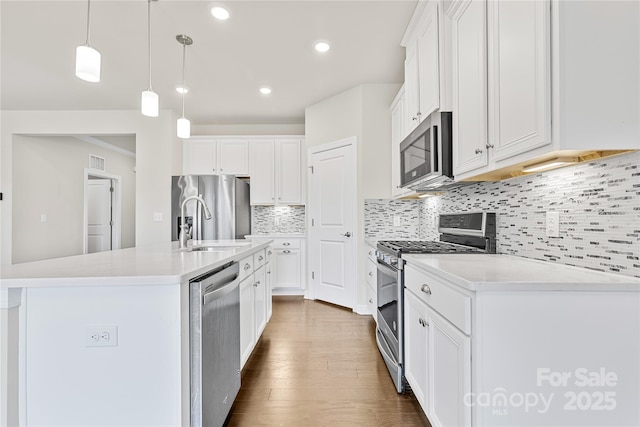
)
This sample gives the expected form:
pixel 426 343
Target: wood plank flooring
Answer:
pixel 318 365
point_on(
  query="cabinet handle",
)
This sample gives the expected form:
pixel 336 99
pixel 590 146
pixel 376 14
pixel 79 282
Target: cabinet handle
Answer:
pixel 414 118
pixel 214 169
pixel 426 289
pixel 269 253
pixel 370 253
pixel 256 284
pixel 286 244
pixel 418 114
pixel 286 252
pixel 371 273
pixel 478 151
pixel 370 300
pixel 489 146
pixel 247 266
pixel 260 258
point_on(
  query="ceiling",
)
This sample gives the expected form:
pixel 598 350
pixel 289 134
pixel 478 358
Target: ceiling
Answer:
pixel 263 43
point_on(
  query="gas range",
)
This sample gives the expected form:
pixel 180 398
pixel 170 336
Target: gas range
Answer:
pixel 459 233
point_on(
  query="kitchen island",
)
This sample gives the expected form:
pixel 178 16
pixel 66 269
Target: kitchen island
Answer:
pixel 499 340
pixel 139 373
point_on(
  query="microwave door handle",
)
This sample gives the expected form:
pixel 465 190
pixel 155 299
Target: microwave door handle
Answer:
pixel 435 150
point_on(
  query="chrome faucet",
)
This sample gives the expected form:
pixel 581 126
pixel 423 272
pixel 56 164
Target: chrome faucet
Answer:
pixel 184 227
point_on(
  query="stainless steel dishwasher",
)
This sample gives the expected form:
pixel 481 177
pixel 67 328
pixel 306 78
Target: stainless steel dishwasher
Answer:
pixel 214 307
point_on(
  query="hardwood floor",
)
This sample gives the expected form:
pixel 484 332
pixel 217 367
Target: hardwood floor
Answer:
pixel 318 365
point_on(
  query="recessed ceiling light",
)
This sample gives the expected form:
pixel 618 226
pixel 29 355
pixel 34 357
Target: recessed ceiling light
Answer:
pixel 182 89
pixel 265 90
pixel 220 13
pixel 322 46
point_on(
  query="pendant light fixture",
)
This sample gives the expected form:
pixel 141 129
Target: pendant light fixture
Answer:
pixel 87 58
pixel 184 125
pixel 149 101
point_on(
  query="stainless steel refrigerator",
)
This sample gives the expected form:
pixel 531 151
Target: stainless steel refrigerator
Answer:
pixel 227 198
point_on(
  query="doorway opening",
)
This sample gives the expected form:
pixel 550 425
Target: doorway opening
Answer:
pixel 102 211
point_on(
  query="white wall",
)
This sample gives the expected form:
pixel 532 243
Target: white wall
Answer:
pixel 362 112
pixel 248 129
pixel 155 145
pixel 48 178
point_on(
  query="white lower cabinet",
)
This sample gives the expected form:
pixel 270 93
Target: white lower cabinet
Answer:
pixel 437 363
pixel 255 301
pixel 371 272
pixel 288 261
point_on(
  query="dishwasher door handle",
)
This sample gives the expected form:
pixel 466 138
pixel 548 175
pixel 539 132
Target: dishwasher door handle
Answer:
pixel 220 291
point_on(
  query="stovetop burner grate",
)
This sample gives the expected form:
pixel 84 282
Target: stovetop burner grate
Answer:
pixel 425 246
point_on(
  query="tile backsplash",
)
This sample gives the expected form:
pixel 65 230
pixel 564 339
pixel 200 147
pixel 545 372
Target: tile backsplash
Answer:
pixel 598 203
pixel 277 219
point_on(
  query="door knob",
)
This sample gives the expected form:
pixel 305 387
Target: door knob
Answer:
pixel 347 234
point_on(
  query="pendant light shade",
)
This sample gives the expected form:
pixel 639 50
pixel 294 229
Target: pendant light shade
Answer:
pixel 184 125
pixel 149 100
pixel 184 128
pixel 87 58
pixel 88 63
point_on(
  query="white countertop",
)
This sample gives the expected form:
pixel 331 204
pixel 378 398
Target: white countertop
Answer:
pixel 483 272
pixel 277 236
pixel 158 264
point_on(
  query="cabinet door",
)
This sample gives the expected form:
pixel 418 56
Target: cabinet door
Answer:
pixel 412 88
pixel 469 66
pixel 287 268
pixel 429 61
pixel 247 319
pixel 415 346
pixel 268 281
pixel 200 157
pixel 449 373
pixel 397 134
pixel 289 172
pixel 262 172
pixel 260 299
pixel 233 157
pixel 519 76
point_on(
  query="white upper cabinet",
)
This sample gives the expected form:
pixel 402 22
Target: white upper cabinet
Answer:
pixel 262 172
pixel 289 176
pixel 469 91
pixel 501 81
pixel 276 171
pixel 200 157
pixel 233 157
pixel 207 156
pixel 532 81
pixel 422 64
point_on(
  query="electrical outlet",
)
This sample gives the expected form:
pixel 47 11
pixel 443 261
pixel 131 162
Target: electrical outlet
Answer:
pixel 43 217
pixel 157 216
pixel 553 224
pixel 396 221
pixel 101 336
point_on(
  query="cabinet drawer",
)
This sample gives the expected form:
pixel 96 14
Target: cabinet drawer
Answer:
pixel 286 243
pixel 371 271
pixel 269 254
pixel 443 298
pixel 259 259
pixel 246 267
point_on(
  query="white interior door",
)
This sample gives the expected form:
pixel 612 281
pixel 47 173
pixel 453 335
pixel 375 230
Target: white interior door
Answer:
pixel 99 210
pixel 332 208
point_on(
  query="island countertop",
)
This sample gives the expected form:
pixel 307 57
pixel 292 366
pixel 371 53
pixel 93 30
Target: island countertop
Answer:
pixel 494 272
pixel 158 264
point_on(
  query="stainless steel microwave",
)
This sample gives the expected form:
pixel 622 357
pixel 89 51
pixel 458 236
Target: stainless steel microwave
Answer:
pixel 426 158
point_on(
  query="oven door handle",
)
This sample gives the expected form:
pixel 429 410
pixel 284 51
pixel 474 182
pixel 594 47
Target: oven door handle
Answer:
pixel 382 346
pixel 386 269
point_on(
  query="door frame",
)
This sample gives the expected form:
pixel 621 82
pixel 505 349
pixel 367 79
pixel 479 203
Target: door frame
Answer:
pixel 116 206
pixel 353 142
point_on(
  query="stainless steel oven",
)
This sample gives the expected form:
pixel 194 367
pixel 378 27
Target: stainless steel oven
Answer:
pixel 390 334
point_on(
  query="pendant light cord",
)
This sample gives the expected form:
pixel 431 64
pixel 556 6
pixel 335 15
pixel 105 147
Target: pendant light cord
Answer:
pixel 184 56
pixel 149 40
pixel 88 20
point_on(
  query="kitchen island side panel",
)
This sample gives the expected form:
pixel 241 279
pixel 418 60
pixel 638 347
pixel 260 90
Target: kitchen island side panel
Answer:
pixel 136 382
pixel 556 358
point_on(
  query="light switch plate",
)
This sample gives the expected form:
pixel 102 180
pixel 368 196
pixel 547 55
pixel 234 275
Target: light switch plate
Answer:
pixel 553 224
pixel 396 221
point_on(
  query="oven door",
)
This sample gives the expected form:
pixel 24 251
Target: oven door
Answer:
pixel 389 307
